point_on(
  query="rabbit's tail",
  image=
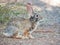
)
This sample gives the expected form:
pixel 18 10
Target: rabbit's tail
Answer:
pixel 7 34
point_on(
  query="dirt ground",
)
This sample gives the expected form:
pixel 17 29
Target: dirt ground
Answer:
pixel 40 39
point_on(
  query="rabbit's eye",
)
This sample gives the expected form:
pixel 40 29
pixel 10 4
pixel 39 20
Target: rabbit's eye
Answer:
pixel 37 15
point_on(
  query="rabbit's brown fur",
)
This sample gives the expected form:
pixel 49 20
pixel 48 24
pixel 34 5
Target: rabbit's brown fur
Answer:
pixel 25 25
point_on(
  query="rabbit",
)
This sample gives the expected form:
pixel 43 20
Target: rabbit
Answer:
pixel 22 28
pixel 18 28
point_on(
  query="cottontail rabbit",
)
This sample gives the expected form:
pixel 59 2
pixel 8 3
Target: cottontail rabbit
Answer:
pixel 18 28
pixel 21 27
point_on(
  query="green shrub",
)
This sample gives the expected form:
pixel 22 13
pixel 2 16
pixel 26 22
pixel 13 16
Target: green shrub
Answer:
pixel 7 11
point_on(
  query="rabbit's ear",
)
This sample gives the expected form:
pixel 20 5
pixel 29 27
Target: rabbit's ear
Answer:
pixel 29 8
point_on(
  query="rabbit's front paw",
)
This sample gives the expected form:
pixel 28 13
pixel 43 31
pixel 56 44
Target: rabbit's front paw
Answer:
pixel 30 36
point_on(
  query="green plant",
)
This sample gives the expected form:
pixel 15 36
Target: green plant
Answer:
pixel 6 12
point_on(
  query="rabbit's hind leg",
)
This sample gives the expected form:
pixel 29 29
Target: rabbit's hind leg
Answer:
pixel 26 34
pixel 17 35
